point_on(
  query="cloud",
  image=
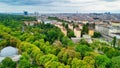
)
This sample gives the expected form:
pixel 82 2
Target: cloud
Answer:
pixel 30 2
pixel 110 0
pixel 26 2
pixel 50 6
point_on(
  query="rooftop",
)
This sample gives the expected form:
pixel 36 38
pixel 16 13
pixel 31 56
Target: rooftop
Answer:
pixel 8 51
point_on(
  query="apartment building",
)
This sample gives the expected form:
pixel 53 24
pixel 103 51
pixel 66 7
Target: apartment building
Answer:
pixel 115 23
pixel 91 32
pixel 70 26
pixel 107 29
pixel 64 31
pixel 77 32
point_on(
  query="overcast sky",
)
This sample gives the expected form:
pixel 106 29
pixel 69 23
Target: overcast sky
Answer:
pixel 60 6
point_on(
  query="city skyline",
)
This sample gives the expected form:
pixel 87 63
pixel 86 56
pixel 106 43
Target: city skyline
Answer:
pixel 60 6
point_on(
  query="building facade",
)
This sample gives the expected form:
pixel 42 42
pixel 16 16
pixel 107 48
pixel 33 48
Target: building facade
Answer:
pixel 70 26
pixel 77 32
pixel 91 32
pixel 64 31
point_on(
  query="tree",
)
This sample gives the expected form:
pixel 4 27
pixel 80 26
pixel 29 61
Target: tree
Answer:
pixel 63 24
pixel 84 42
pixel 90 61
pixel 118 43
pixel 66 55
pixel 47 58
pixel 70 33
pixel 55 64
pixel 58 46
pixel 74 25
pixel 3 43
pixel 24 61
pixel 85 29
pixel 115 62
pixel 4 29
pixel 114 41
pixel 57 43
pixel 14 41
pixel 82 49
pixel 8 63
pixel 76 63
pixel 66 26
pixel 112 53
pixel 97 35
pixel 102 61
pixel 66 41
pixel 52 35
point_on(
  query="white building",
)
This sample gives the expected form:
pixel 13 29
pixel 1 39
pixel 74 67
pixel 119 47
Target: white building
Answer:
pixel 70 26
pixel 75 40
pixel 87 38
pixel 9 52
pixel 106 29
pixel 108 32
pixel 80 26
pixel 77 32
pixel 102 29
pixel 84 22
pixel 115 23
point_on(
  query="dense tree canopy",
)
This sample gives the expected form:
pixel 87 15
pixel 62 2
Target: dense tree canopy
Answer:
pixel 8 63
pixel 45 46
pixel 115 62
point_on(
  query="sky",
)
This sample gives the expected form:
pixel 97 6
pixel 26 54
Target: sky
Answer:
pixel 60 6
